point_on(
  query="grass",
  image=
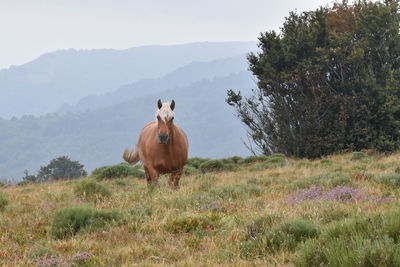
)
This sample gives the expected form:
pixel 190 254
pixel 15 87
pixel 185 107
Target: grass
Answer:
pixel 235 216
pixel 361 241
pixel 91 190
pixel 3 201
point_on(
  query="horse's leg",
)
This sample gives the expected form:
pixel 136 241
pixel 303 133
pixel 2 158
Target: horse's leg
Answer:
pixel 173 181
pixel 147 173
pixel 151 175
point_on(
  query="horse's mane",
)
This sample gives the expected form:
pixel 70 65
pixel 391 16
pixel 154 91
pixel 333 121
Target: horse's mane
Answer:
pixel 165 112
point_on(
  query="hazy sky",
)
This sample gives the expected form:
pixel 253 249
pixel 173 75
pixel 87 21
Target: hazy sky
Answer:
pixel 29 28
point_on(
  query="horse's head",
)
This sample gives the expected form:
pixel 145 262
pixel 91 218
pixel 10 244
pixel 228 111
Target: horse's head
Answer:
pixel 165 116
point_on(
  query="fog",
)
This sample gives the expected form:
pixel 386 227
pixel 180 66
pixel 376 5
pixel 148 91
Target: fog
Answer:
pixel 31 28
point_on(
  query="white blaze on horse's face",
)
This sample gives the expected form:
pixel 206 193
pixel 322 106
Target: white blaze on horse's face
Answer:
pixel 165 116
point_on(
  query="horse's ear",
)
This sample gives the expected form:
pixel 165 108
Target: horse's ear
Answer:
pixel 159 103
pixel 172 106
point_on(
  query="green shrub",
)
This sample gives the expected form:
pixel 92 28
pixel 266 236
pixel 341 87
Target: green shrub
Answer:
pixel 187 223
pixel 3 201
pixel 326 180
pixel 72 220
pixel 227 192
pixel 89 189
pixel 358 155
pixel 189 170
pixel 251 159
pixel 196 162
pixel 2 184
pixel 276 160
pixel 117 171
pixel 365 241
pixel 234 159
pixel 390 180
pixel 212 165
pixel 287 235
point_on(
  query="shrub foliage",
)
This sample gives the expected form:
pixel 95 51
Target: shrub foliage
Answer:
pixel 71 220
pixel 117 171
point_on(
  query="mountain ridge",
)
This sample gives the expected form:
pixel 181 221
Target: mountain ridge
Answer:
pixel 44 84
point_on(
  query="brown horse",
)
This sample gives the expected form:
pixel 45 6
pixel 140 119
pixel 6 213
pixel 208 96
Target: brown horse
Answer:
pixel 162 147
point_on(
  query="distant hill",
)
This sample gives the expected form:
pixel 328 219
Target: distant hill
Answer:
pixel 183 76
pixel 98 137
pixel 64 77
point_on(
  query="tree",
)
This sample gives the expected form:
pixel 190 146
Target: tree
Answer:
pixel 29 178
pixel 329 81
pixel 60 168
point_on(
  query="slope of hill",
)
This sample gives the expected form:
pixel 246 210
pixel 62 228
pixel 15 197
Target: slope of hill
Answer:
pixel 98 137
pixel 338 211
pixel 180 77
pixel 53 79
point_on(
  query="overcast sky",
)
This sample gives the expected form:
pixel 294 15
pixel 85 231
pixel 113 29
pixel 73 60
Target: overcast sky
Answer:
pixel 29 28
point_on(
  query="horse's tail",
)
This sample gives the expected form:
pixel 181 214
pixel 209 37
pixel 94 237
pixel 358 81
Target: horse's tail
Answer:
pixel 131 156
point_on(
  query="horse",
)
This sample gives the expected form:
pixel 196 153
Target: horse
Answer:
pixel 162 147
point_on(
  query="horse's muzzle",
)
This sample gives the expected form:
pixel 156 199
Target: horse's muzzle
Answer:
pixel 163 138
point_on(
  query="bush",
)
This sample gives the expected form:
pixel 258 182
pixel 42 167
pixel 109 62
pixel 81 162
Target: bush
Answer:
pixel 117 171
pixel 192 222
pixel 276 160
pixel 196 162
pixel 89 189
pixel 3 201
pixel 392 180
pixel 252 159
pixel 189 170
pixel 72 220
pixel 215 165
pixel 287 235
pixel 234 159
pixel 366 241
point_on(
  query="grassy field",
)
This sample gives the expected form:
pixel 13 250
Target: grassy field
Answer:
pixel 342 210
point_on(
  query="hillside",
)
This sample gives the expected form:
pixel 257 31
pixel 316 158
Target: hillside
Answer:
pixel 183 76
pixel 338 211
pixel 98 137
pixel 66 76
